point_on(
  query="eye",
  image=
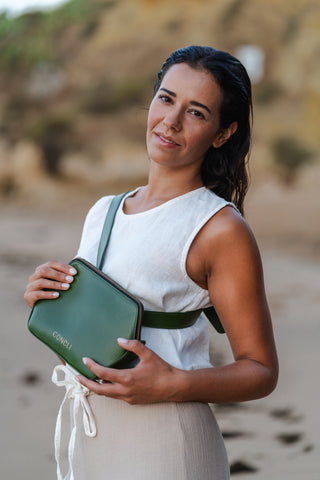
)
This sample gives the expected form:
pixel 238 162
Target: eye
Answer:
pixel 164 98
pixel 197 113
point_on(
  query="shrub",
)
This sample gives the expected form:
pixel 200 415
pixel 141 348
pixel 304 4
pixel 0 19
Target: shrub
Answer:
pixel 53 136
pixel 289 156
pixel 265 93
pixel 232 12
pixel 106 98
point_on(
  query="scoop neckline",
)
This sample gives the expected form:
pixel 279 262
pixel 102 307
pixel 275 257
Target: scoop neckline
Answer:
pixel 158 207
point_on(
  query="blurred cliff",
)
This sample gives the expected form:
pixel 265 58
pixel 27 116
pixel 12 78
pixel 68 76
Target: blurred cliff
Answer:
pixel 75 85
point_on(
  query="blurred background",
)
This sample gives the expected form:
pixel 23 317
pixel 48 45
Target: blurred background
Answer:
pixel 76 79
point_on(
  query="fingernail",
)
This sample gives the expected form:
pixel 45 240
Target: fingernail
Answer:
pixel 73 271
pixel 55 294
pixel 69 278
pixel 123 340
pixel 85 360
pixel 65 286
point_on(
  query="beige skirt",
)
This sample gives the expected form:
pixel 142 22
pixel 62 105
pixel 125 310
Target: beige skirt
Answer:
pixel 165 441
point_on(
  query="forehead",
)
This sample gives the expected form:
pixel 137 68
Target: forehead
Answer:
pixel 185 81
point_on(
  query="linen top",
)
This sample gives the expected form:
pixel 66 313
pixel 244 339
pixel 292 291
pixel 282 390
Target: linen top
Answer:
pixel 147 255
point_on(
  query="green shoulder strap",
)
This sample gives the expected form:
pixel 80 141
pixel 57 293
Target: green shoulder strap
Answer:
pixel 170 320
pixel 107 227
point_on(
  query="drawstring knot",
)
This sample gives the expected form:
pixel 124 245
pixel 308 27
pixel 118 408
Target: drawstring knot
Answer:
pixel 79 393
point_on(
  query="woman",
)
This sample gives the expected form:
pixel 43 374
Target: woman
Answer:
pixel 179 244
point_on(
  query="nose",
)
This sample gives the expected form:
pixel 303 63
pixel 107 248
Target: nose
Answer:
pixel 172 120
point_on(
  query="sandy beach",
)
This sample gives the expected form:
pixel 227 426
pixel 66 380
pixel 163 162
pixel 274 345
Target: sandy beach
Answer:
pixel 76 83
pixel 277 437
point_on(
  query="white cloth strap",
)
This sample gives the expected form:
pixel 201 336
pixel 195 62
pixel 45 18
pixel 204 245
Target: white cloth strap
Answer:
pixel 76 391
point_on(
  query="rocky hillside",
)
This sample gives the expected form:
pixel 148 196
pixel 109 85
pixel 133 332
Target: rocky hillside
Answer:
pixel 75 84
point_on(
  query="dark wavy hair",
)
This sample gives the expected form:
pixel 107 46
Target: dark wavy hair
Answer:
pixel 224 170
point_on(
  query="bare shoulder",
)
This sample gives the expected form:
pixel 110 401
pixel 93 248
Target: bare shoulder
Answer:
pixel 226 238
pixel 226 228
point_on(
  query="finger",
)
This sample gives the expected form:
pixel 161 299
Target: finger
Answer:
pixel 63 267
pixel 134 346
pixel 32 297
pixel 44 283
pixel 54 271
pixel 104 373
pixel 115 376
pixel 107 389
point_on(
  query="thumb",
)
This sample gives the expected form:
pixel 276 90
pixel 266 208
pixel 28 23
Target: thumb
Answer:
pixel 134 346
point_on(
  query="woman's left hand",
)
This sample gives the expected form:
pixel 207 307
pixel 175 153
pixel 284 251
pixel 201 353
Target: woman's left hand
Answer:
pixel 152 380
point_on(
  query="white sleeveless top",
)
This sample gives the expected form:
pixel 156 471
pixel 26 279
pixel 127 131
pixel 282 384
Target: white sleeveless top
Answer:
pixel 147 255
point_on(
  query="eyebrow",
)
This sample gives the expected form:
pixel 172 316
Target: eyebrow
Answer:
pixel 193 102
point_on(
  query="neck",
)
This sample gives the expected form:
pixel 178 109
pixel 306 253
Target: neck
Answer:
pixel 167 183
pixel 163 185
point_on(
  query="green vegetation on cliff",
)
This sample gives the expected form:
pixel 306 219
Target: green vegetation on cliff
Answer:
pixel 78 79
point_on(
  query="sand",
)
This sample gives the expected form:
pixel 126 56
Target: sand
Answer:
pixel 276 437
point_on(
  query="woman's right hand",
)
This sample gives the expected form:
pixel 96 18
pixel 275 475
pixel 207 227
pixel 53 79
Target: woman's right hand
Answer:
pixel 47 280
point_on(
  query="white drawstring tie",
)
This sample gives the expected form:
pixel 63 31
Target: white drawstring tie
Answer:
pixel 76 391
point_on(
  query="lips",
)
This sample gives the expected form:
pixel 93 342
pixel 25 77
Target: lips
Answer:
pixel 166 139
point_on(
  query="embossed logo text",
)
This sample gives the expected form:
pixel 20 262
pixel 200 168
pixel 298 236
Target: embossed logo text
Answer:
pixel 62 340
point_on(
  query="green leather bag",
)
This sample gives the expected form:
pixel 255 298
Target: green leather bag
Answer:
pixel 87 319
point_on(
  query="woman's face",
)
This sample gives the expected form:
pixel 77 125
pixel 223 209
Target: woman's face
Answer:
pixel 183 120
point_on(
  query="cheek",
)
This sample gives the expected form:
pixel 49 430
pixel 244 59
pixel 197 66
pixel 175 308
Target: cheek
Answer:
pixel 152 115
pixel 201 140
pixel 150 121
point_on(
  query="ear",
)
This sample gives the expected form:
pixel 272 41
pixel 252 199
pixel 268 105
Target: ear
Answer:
pixel 224 135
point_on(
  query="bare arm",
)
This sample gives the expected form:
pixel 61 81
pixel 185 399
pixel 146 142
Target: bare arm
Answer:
pixel 234 278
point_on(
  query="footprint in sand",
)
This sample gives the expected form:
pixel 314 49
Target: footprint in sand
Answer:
pixel 31 378
pixel 241 466
pixel 231 434
pixel 286 414
pixel 289 438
